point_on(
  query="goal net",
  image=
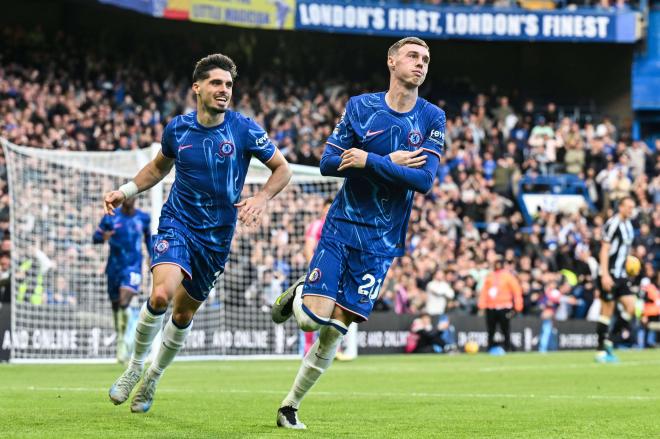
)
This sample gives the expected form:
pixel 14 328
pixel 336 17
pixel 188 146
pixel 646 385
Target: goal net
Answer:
pixel 60 306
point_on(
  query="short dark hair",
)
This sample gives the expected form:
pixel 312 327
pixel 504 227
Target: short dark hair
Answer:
pixel 394 48
pixel 214 61
pixel 627 197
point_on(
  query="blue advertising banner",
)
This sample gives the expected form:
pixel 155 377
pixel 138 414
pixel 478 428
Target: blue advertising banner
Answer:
pixel 468 23
pixel 142 6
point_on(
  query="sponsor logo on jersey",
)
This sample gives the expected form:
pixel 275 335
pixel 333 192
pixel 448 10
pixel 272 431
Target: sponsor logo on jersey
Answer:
pixel 374 133
pixel 261 141
pixel 437 136
pixel 226 148
pixel 182 147
pixel 415 138
pixel 161 246
pixel 314 276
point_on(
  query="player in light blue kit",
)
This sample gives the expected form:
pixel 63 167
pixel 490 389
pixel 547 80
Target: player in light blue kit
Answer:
pixel 388 147
pixel 211 149
pixel 124 231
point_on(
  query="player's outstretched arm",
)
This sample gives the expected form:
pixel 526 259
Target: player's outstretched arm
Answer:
pixel 251 209
pixel 146 178
pixel 104 231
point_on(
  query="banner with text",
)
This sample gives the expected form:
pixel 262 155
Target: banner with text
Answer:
pixel 263 14
pixel 468 23
pixel 387 333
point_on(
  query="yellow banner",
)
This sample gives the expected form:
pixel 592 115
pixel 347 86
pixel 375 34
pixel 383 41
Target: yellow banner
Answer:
pixel 265 14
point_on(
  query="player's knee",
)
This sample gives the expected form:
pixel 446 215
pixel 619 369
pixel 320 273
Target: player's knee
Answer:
pixel 307 324
pixel 159 299
pixel 308 321
pixel 319 306
pixel 182 318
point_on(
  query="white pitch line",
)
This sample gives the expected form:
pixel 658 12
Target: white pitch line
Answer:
pixel 364 394
pixel 588 365
pixel 341 368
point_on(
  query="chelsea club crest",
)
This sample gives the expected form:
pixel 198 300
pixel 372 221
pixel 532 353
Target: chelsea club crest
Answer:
pixel 226 148
pixel 414 138
pixel 162 246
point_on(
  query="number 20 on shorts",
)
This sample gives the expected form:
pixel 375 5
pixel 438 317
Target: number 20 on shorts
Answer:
pixel 369 288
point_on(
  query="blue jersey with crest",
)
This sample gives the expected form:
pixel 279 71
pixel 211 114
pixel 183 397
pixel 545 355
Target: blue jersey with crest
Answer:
pixel 372 209
pixel 126 241
pixel 211 166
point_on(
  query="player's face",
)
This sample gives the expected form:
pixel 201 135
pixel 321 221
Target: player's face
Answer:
pixel 128 204
pixel 410 64
pixel 626 208
pixel 215 91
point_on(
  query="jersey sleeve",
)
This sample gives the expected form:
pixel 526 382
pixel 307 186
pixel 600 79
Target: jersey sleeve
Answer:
pixel 343 137
pixel 420 180
pixel 167 141
pixel 104 226
pixel 258 142
pixel 434 142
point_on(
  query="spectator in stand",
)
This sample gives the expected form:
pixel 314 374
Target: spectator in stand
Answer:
pixel 425 338
pixel 438 293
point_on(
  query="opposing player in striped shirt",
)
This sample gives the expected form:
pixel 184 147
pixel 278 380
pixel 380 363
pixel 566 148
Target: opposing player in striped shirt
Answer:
pixel 618 235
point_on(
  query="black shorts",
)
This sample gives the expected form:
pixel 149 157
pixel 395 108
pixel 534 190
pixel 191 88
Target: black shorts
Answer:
pixel 621 288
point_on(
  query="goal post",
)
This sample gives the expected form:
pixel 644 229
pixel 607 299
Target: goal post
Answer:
pixel 60 308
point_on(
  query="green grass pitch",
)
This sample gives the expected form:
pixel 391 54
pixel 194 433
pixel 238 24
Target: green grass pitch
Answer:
pixel 561 395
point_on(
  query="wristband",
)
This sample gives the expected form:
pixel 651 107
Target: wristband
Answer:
pixel 129 189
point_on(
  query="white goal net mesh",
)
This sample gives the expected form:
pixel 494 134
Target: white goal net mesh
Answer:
pixel 60 306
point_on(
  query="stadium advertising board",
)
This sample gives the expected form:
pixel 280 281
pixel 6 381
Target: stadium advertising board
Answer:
pixel 265 14
pixel 48 340
pixel 463 23
pixel 554 203
pixel 386 333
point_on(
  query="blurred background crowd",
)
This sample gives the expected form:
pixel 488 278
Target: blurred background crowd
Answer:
pixel 84 96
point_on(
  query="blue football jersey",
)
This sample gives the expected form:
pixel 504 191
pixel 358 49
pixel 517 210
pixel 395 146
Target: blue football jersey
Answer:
pixel 211 166
pixel 371 213
pixel 126 242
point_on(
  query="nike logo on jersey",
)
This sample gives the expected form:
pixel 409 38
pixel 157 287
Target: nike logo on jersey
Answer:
pixel 374 133
pixel 182 147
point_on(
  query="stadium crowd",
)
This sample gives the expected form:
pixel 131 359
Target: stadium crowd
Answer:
pixel 471 219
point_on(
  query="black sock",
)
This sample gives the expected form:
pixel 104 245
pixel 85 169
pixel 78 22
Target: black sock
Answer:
pixel 601 330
